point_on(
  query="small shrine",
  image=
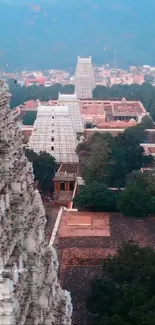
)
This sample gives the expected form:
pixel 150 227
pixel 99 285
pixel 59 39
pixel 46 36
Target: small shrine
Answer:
pixel 65 178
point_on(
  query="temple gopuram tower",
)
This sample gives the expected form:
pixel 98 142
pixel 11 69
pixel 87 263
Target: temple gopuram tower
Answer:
pixel 84 78
pixel 30 292
pixel 54 133
pixel 73 104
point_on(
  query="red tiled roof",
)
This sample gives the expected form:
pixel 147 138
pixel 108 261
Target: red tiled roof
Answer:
pixel 31 104
pixel 116 124
pixel 93 107
pixel 151 150
pixel 87 256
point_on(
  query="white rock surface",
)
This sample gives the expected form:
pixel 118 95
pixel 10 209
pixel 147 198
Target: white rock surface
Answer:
pixel 33 295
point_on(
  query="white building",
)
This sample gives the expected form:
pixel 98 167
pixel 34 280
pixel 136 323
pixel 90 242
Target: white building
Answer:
pixel 30 292
pixel 84 78
pixel 54 133
pixel 73 104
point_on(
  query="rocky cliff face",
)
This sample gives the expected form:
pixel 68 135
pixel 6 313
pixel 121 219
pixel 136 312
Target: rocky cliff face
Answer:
pixel 30 293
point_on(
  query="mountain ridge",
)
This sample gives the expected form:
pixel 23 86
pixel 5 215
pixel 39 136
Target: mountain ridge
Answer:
pixel 51 34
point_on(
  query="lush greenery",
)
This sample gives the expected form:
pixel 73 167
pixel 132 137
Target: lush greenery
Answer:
pixel 125 293
pixel 44 167
pixel 97 152
pixel 21 94
pixel 29 118
pixel 145 93
pixel 110 159
pixel 138 198
pixel 96 197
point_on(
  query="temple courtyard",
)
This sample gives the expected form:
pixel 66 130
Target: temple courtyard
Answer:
pixel 83 239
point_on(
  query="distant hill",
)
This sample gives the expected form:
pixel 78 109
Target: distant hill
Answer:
pixel 51 33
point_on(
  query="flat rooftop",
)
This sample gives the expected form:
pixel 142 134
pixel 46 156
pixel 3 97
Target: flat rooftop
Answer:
pixel 93 107
pixel 83 240
pixel 83 224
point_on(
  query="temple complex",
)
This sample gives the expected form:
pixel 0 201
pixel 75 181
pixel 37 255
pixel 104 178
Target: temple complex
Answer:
pixel 84 239
pixel 54 133
pixel 30 292
pixel 84 78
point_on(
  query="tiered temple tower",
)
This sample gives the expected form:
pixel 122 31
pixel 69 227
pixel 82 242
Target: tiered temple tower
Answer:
pixel 54 133
pixel 73 104
pixel 84 78
pixel 30 293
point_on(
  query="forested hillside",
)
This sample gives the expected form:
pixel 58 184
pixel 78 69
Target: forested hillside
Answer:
pixel 51 33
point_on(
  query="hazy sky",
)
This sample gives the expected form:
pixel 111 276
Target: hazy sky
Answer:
pixel 52 33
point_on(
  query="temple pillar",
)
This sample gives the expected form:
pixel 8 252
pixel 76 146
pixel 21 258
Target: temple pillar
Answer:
pixel 56 187
pixel 66 186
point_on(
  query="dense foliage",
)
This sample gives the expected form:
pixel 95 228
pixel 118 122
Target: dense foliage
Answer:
pixel 125 293
pixel 110 159
pixel 21 94
pixel 44 167
pixel 138 198
pixel 97 152
pixel 96 197
pixel 29 118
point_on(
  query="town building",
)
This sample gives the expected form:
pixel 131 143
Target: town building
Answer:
pixel 73 104
pixel 65 178
pixel 30 292
pixel 65 184
pixel 124 110
pixel 84 78
pixel 94 111
pixel 105 111
pixel 54 133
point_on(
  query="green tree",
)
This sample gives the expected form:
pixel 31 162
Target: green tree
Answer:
pixel 68 89
pixel 133 201
pixel 21 94
pixel 83 147
pixel 147 122
pixel 125 293
pixel 44 167
pixel 109 160
pixel 96 164
pixel 96 197
pixel 138 198
pixel 127 155
pixel 137 133
pixel 29 118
